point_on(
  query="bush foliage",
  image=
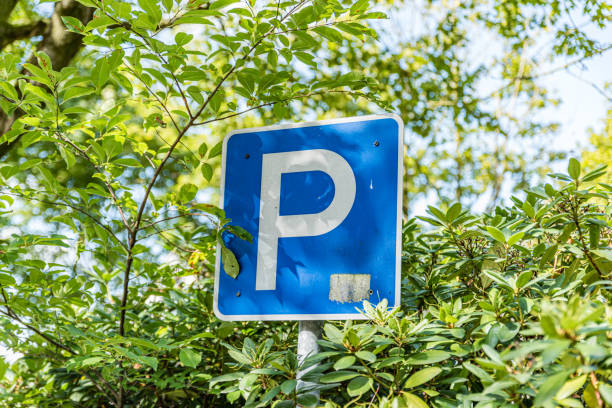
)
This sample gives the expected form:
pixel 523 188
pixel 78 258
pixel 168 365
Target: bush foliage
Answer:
pixel 503 309
pixel 509 308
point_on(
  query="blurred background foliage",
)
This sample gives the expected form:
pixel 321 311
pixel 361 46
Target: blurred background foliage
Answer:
pixel 467 77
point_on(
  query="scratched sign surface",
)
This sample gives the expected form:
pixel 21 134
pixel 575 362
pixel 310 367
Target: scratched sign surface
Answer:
pixel 322 201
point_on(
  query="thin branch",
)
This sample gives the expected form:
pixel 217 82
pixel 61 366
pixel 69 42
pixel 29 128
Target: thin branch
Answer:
pixel 569 64
pixel 309 28
pixel 163 105
pixel 271 104
pixel 161 234
pixel 182 144
pixel 11 33
pixel 82 211
pixel 192 121
pixel 151 224
pixel 99 169
pixel 11 314
pixel 592 84
pixel 551 71
pixel 158 170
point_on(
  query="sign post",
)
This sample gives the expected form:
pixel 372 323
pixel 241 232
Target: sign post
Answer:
pixel 322 201
pixel 308 334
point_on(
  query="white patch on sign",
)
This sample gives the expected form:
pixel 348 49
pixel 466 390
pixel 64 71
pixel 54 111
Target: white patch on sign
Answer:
pixel 349 288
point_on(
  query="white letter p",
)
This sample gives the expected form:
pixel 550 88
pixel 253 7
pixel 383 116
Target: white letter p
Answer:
pixel 273 226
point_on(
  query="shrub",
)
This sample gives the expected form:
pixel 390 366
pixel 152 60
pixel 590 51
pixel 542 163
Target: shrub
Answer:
pixel 508 308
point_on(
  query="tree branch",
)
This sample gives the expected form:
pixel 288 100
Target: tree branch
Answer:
pixel 10 33
pixel 58 43
pixel 82 211
pixel 158 170
pixel 293 98
pixel 110 189
pixel 6 8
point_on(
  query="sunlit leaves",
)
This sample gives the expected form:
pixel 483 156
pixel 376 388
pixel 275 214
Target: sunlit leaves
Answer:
pixel 189 357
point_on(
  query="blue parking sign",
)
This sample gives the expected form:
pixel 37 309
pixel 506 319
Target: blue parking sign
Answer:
pixel 322 201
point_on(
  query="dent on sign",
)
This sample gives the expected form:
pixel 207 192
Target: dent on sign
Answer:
pixel 322 201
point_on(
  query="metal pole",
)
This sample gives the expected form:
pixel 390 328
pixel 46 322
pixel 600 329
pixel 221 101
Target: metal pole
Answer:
pixel 309 333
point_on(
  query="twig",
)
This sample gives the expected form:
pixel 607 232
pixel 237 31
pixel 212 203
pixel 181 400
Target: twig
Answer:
pixel 270 104
pixel 94 219
pixel 163 105
pixel 151 224
pixel 106 183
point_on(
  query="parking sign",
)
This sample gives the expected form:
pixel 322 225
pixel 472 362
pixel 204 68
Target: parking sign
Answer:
pixel 322 201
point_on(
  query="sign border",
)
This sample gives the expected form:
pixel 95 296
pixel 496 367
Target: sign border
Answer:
pixel 400 194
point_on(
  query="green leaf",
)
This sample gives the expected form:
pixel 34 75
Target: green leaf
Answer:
pixel 496 234
pixel 589 396
pixel 183 38
pixel 216 150
pixel 605 390
pixel 188 192
pixel 523 279
pixel 307 400
pixel 207 171
pixel 428 357
pixel 570 387
pixel 595 174
pixel 338 376
pixel 344 362
pixel 288 386
pixel 604 253
pixel 99 21
pixel 73 24
pixel 515 238
pixel 422 376
pixel 358 386
pixel 30 120
pixel 529 210
pixel 67 156
pixel 190 357
pixel 91 361
pixel 7 280
pixel 230 263
pixel 75 92
pixel 203 149
pixel 127 162
pixel 453 212
pixel 226 378
pixel 412 401
pixel 152 9
pixel 100 73
pixel 329 34
pixel 222 3
pixel 550 387
pixel 574 168
pixel 333 333
pixel 148 361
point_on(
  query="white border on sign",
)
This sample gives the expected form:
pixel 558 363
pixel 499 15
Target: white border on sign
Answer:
pixel 398 238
